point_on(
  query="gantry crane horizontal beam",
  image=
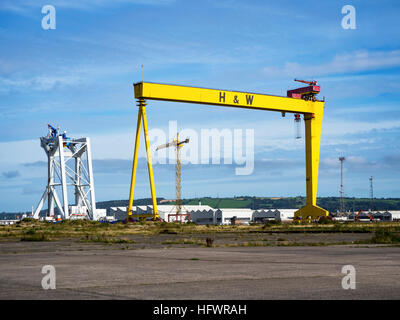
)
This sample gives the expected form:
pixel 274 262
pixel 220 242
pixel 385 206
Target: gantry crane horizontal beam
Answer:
pixel 168 92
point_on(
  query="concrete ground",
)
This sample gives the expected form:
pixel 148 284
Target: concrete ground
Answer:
pixel 98 271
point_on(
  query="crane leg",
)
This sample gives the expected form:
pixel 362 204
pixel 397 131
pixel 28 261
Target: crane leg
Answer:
pixel 313 137
pixel 149 163
pixel 142 117
pixel 134 166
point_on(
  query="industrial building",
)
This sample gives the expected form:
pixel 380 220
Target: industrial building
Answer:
pixel 395 215
pixel 164 211
pixel 203 214
pixel 266 215
pixel 372 216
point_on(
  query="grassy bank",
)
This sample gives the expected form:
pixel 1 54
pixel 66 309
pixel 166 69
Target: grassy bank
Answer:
pixel 185 234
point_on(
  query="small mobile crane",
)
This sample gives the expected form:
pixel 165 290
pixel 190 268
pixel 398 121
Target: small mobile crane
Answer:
pixel 371 218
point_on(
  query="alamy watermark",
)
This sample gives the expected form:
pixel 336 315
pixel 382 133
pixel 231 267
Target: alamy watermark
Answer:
pixel 49 20
pixel 349 280
pixel 49 280
pixel 215 146
pixel 349 20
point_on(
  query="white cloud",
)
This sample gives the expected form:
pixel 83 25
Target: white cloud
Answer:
pixel 279 136
pixel 39 83
pixel 342 63
pixel 354 163
pixel 18 152
pixel 336 127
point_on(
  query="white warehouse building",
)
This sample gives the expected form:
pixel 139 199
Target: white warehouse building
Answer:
pixel 242 216
pixel 265 215
pixel 203 214
pixel 226 216
pixel 163 210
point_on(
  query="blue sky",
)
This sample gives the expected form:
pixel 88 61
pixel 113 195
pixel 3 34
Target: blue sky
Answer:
pixel 80 77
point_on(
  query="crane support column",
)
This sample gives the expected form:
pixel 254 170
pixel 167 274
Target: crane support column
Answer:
pixel 313 124
pixel 142 117
pixel 149 163
pixel 134 165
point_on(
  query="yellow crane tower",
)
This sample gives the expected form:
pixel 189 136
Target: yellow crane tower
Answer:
pixel 178 175
pixel 300 102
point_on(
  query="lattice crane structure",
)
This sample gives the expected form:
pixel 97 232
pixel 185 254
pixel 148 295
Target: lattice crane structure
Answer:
pixel 178 176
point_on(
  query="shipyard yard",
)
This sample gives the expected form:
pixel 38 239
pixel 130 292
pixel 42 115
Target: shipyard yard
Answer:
pixel 99 271
pixel 164 261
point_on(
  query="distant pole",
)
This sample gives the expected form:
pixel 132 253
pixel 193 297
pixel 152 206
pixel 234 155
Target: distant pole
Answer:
pixel 178 179
pixel 341 159
pixel 371 194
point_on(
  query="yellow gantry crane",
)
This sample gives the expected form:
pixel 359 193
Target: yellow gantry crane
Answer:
pixel 300 101
pixel 178 175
